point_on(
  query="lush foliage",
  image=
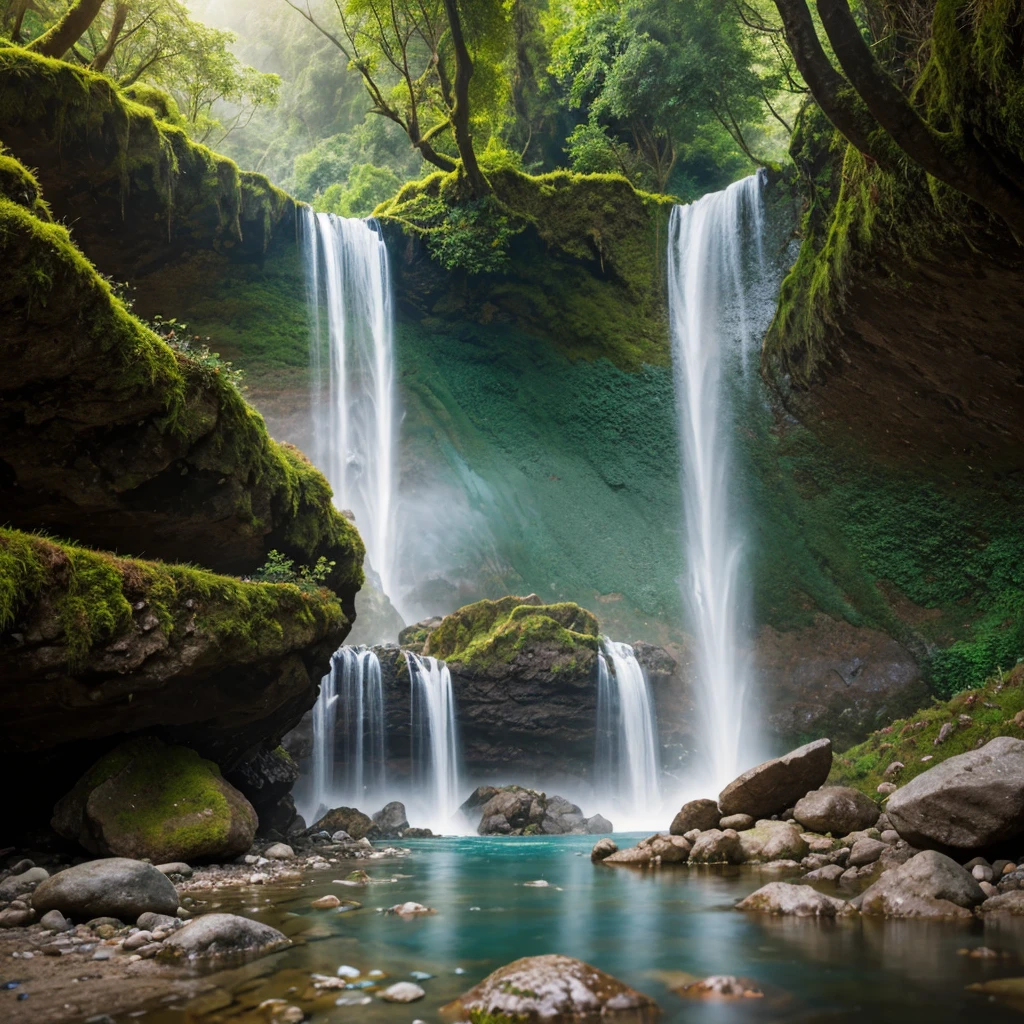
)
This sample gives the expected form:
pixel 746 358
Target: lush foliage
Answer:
pixel 278 568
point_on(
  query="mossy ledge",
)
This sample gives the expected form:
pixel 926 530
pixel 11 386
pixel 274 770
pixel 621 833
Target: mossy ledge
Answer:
pixel 95 646
pixel 110 437
pixel 577 259
pixel 489 635
pixel 970 719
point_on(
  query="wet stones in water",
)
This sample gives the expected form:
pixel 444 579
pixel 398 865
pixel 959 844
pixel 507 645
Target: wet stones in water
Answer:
pixel 970 801
pixel 777 784
pixel 328 902
pixel 721 986
pixel 603 848
pixel 279 851
pixel 115 887
pixel 175 869
pixel 343 819
pixel 930 884
pixel 410 909
pixel 772 840
pixel 783 898
pixel 216 934
pixel 717 847
pixel 699 814
pixel 836 809
pixel 390 822
pixel 402 992
pixel 553 988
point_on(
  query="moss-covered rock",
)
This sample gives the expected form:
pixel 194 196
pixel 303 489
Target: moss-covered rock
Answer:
pixel 145 799
pixel 111 437
pixel 929 736
pixel 95 647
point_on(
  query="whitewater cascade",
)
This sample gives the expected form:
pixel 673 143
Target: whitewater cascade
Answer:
pixel 353 377
pixel 626 770
pixel 716 277
pixel 435 757
pixel 349 708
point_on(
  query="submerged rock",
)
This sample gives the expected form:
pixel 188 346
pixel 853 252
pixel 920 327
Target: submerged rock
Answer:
pixel 402 992
pixel 550 988
pixel 836 809
pixel 515 810
pixel 219 934
pixel 146 799
pixel 776 784
pixel 603 848
pixel 717 847
pixel 969 801
pixel 115 887
pixel 794 901
pixel 930 884
pixel 721 986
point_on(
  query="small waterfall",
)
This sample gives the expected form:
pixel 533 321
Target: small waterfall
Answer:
pixel 627 767
pixel 353 377
pixel 435 758
pixel 715 274
pixel 349 709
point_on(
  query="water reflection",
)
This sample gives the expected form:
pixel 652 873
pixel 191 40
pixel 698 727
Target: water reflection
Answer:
pixel 649 928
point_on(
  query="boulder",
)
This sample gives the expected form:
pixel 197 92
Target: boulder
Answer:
pixel 175 867
pixel 390 822
pixel 146 799
pixel 636 856
pixel 667 848
pixel 598 825
pixel 836 809
pixel 930 884
pixel 402 992
pixel 219 934
pixel 701 814
pixel 343 819
pixel 279 851
pixel 150 922
pixel 551 988
pixel 115 887
pixel 737 822
pixel 24 881
pixel 969 801
pixel 603 848
pixel 794 901
pixel 866 851
pixel 774 785
pixel 717 847
pixel 1011 902
pixel 772 840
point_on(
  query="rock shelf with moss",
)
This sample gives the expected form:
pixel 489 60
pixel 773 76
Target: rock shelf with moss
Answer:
pixel 112 438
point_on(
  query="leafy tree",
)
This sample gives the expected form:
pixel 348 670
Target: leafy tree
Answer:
pixel 366 188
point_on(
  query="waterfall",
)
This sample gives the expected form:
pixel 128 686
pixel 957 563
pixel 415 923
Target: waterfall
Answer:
pixel 435 759
pixel 715 277
pixel 627 768
pixel 353 377
pixel 350 708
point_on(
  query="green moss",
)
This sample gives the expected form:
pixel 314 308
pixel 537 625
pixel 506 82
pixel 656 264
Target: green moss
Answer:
pixel 92 596
pixel 976 716
pixel 486 632
pixel 578 258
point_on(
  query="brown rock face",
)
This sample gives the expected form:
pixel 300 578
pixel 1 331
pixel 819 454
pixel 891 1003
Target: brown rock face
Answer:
pixel 836 809
pixel 700 814
pixel 774 785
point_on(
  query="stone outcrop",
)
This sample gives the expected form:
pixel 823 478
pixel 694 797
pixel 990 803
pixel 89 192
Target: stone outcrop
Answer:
pixel 969 801
pixel 699 814
pixel 514 810
pixel 552 988
pixel 777 784
pixel 146 800
pixel 650 852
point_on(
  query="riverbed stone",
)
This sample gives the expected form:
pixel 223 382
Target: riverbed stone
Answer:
pixel 836 809
pixel 777 784
pixel 115 887
pixel 737 822
pixel 785 898
pixel 1011 902
pixel 390 822
pixel 701 814
pixel 866 851
pixel 402 992
pixel 55 921
pixel 550 988
pixel 930 884
pixel 716 846
pixel 969 801
pixel 603 848
pixel 217 934
pixel 17 884
pixel 343 819
pixel 772 840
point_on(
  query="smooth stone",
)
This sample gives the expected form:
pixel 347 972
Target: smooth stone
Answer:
pixel 603 848
pixel 777 784
pixel 17 884
pixel 150 922
pixel 402 992
pixel 699 814
pixel 930 884
pixel 717 847
pixel 328 902
pixel 836 809
pixel 139 939
pixel 410 909
pixel 177 867
pixel 772 840
pixel 115 887
pixel 55 921
pixel 784 898
pixel 826 873
pixel 214 934
pixel 16 918
pixel 552 988
pixel 737 822
pixel 866 851
pixel 1011 902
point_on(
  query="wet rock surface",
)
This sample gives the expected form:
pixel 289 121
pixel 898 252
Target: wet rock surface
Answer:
pixel 777 784
pixel 515 810
pixel 113 887
pixel 836 809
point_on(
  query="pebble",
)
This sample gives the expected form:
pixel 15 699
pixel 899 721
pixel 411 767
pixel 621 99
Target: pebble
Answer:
pixel 328 902
pixel 420 975
pixel 376 974
pixel 402 992
pixel 103 954
pixel 353 1000
pixel 460 970
pixel 345 971
pixel 54 921
pixel 538 883
pixel 138 940
pixel 982 872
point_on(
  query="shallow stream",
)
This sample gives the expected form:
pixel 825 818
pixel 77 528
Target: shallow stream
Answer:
pixel 654 930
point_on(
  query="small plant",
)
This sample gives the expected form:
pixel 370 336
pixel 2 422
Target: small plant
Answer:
pixel 196 348
pixel 278 568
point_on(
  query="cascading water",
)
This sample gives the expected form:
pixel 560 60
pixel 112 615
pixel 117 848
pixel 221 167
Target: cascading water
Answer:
pixel 627 769
pixel 349 708
pixel 716 278
pixel 435 755
pixel 353 378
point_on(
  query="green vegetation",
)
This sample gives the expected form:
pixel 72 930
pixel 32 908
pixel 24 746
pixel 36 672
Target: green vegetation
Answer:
pixel 971 718
pixel 279 569
pixel 487 632
pixel 93 597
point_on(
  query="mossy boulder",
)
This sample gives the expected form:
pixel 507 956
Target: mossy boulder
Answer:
pixel 147 800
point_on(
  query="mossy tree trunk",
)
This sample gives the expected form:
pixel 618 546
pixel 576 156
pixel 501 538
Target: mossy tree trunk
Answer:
pixel 56 41
pixel 460 110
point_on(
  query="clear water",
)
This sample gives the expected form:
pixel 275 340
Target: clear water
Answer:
pixel 651 929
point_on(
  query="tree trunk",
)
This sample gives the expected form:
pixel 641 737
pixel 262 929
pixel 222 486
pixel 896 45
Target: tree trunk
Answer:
pixel 431 155
pixel 102 58
pixel 56 41
pixel 17 12
pixel 830 90
pixel 478 185
pixel 966 169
